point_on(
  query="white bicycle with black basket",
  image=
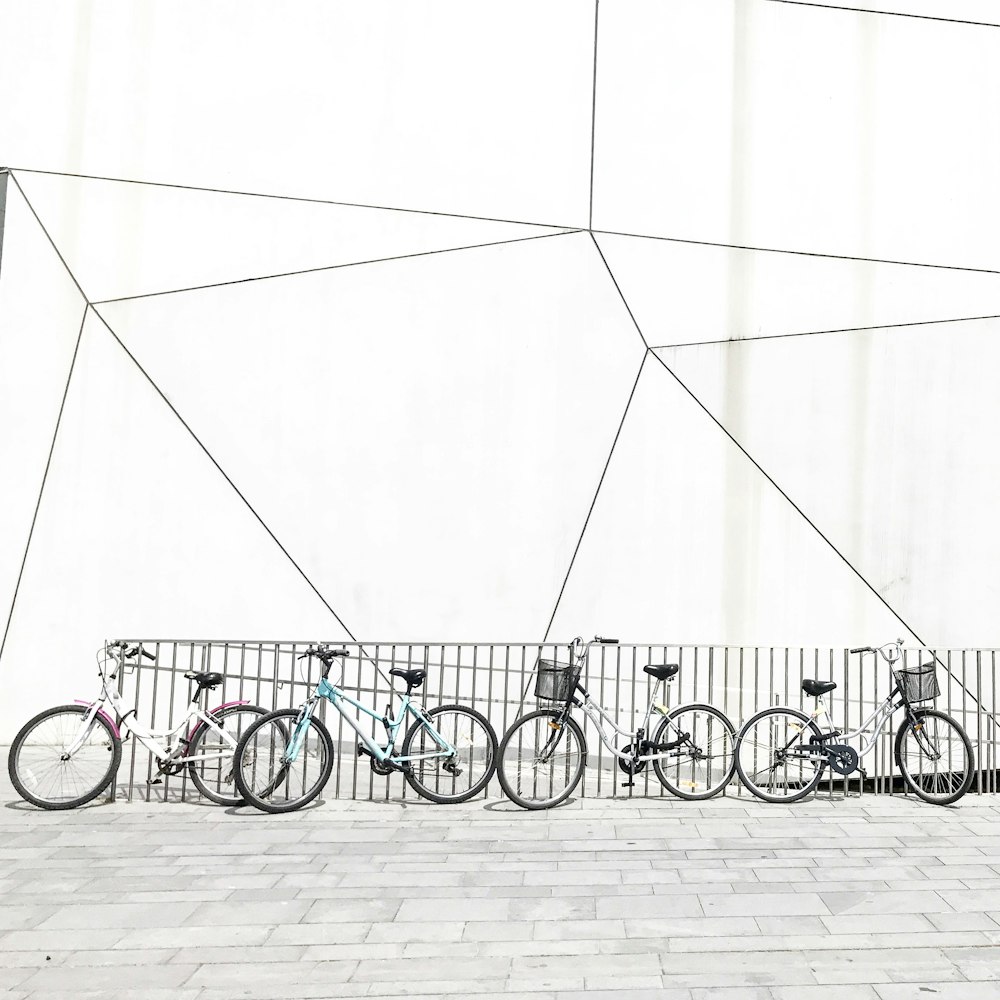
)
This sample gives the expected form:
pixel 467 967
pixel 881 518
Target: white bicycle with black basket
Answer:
pixel 543 755
pixel 782 753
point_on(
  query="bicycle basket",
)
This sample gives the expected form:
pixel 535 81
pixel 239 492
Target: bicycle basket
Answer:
pixel 919 683
pixel 555 681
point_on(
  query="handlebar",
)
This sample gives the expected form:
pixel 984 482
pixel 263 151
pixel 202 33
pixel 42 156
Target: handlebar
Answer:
pixel 324 652
pixel 579 648
pixel 889 657
pixel 129 651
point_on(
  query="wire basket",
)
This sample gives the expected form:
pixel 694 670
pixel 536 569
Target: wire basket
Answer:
pixel 555 681
pixel 919 683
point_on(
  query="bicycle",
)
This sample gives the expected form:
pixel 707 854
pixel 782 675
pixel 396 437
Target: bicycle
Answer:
pixel 781 753
pixel 543 755
pixel 67 755
pixel 285 759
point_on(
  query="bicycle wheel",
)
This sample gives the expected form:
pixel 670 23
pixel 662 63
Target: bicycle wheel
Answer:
pixel 43 773
pixel 266 779
pixel 451 779
pixel 763 760
pixel 703 765
pixel 213 775
pixel 541 762
pixel 935 756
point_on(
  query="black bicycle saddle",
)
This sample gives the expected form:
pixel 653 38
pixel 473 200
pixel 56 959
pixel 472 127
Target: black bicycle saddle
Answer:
pixel 413 678
pixel 661 671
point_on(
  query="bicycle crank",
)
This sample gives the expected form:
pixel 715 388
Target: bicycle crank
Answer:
pixel 169 766
pixel 842 758
pixel 379 767
pixel 631 766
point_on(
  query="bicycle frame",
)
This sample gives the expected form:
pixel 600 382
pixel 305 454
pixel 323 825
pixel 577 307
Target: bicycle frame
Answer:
pixel 579 651
pixel 387 755
pixel 598 716
pixel 873 725
pixel 194 718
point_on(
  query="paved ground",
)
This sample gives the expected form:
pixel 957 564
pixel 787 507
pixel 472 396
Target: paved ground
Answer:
pixel 843 899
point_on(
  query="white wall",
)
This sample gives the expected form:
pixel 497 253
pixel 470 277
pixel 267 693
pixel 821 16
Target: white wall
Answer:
pixel 422 419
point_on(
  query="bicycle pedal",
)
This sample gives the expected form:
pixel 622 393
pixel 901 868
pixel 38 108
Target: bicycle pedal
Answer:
pixel 628 784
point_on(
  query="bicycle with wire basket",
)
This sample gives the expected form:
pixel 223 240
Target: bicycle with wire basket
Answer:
pixel 285 759
pixel 782 753
pixel 68 755
pixel 543 755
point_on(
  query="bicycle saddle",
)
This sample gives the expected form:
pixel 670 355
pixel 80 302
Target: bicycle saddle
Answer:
pixel 413 678
pixel 205 679
pixel 816 688
pixel 661 671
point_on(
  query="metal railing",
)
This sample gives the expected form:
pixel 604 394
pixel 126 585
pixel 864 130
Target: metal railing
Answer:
pixel 497 679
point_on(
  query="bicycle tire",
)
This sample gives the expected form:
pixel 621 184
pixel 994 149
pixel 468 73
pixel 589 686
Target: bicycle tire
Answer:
pixel 212 786
pixel 954 791
pixel 436 768
pixel 512 751
pixel 101 740
pixel 796 721
pixel 282 787
pixel 692 787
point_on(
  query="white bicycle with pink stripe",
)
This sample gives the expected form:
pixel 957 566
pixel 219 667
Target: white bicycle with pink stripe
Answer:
pixel 68 755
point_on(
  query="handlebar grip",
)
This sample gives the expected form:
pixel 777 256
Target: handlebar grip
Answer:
pixel 607 642
pixel 862 649
pixel 148 655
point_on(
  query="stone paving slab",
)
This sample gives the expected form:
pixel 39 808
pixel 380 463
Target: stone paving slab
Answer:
pixel 831 899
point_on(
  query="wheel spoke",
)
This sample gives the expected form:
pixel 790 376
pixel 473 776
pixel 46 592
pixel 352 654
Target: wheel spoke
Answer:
pixel 42 769
pixel 935 757
pixel 534 772
pixel 766 765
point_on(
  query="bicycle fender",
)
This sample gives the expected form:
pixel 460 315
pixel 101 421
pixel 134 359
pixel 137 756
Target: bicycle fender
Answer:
pixel 218 708
pixel 107 718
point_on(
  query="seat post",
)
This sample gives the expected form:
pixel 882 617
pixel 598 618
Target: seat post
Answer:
pixel 821 709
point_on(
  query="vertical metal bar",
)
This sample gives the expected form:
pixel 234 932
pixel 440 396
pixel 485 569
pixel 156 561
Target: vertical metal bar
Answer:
pixel 490 713
pixel 131 772
pixel 600 743
pixel 977 762
pixel 849 688
pixel 951 674
pixel 965 697
pixel 152 725
pixel 506 685
pixel 632 725
pixel 475 706
pixel 618 701
pixel 772 694
pixel 993 726
pixel 173 691
pixel 585 676
pixel 354 752
pixel 650 688
pixel 742 713
pixel 756 676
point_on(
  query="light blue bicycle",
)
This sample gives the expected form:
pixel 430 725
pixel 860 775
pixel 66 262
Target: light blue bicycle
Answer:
pixel 285 759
